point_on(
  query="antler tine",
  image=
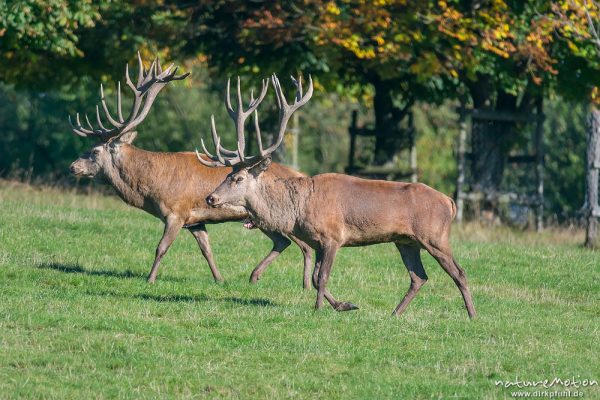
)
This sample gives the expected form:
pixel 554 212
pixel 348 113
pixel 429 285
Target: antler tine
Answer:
pixel 80 130
pixel 99 119
pixel 255 103
pixel 159 68
pixel 207 163
pixel 141 71
pixel 285 110
pixel 303 99
pixel 261 151
pixel 114 122
pixel 148 86
pixel 298 84
pixel 87 120
pixel 239 123
pixel 278 94
pixel 230 111
pixel 119 108
pixel 216 139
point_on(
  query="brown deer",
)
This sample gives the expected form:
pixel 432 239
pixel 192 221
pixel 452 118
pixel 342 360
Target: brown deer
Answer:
pixel 169 186
pixel 330 211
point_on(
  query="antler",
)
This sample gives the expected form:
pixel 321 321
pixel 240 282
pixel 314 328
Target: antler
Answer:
pixel 226 157
pixel 147 87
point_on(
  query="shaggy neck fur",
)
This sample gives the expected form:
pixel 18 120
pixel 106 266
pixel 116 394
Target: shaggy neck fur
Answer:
pixel 279 203
pixel 128 173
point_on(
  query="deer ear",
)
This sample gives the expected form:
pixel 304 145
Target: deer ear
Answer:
pixel 260 167
pixel 128 137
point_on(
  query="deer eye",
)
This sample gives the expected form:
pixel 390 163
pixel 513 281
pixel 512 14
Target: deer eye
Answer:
pixel 96 152
pixel 238 179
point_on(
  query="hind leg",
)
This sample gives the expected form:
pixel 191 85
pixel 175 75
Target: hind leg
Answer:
pixel 280 243
pixel 201 235
pixel 307 254
pixel 443 255
pixel 412 260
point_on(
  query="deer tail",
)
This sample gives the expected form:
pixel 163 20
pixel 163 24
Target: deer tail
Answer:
pixel 453 208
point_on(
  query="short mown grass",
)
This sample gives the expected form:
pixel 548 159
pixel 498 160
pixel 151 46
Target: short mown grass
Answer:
pixel 78 320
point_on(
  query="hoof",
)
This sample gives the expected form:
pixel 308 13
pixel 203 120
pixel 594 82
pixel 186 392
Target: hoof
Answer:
pixel 151 280
pixel 254 279
pixel 346 307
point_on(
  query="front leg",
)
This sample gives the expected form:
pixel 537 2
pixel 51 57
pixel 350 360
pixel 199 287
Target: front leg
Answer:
pixel 307 254
pixel 323 264
pixel 172 227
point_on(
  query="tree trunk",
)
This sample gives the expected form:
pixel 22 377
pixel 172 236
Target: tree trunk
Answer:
pixel 490 140
pixel 389 134
pixel 592 168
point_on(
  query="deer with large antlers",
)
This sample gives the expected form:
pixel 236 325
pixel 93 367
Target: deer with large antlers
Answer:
pixel 331 211
pixel 169 186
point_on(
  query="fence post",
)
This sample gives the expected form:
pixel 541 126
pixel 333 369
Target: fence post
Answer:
pixel 460 180
pixel 592 167
pixel 539 167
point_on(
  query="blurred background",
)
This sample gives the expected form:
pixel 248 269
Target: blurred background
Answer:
pixel 405 68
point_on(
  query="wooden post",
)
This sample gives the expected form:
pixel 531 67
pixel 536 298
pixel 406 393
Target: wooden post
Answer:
pixel 352 130
pixel 539 167
pixel 460 180
pixel 592 167
pixel 413 148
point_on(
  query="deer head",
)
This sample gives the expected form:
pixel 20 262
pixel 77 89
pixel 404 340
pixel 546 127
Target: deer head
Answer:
pixel 122 130
pixel 234 190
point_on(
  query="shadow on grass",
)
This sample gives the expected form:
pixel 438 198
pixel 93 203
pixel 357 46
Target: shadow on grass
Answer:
pixel 182 298
pixel 162 298
pixel 78 269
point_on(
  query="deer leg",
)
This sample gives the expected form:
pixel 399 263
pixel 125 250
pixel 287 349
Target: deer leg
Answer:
pixel 307 253
pixel 412 260
pixel 172 227
pixel 201 236
pixel 315 282
pixel 325 258
pixel 280 243
pixel 444 257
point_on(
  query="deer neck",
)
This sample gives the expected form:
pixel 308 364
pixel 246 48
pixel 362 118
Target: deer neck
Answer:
pixel 279 203
pixel 126 174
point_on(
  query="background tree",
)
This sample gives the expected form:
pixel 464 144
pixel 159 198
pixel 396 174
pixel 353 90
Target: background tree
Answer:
pixel 499 55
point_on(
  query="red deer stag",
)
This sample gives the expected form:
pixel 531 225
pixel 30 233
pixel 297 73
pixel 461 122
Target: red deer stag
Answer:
pixel 169 186
pixel 330 211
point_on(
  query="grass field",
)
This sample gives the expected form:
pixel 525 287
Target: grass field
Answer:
pixel 78 320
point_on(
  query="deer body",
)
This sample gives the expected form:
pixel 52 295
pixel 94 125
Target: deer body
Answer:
pixel 331 211
pixel 349 211
pixel 170 186
pixel 166 184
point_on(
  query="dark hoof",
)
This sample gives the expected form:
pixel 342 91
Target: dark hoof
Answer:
pixel 254 279
pixel 346 307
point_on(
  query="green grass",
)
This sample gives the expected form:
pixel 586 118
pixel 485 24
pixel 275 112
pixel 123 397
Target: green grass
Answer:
pixel 78 320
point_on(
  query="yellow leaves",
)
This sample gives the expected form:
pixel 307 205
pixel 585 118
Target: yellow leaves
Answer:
pixel 595 95
pixel 379 40
pixel 572 46
pixel 332 8
pixel 495 49
pixel 354 45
